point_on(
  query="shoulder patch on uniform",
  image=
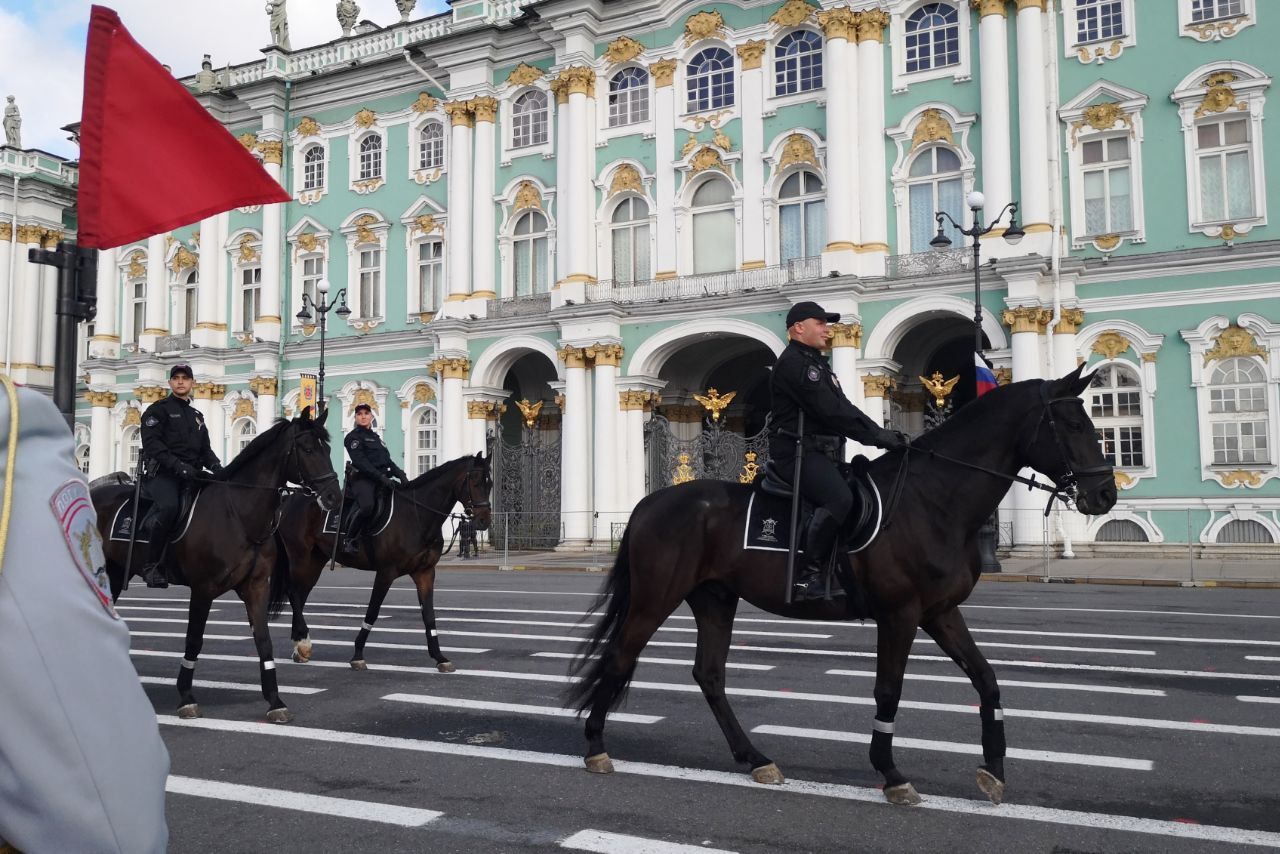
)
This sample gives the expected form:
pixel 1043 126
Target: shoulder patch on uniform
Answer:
pixel 353 444
pixel 74 512
pixel 150 421
pixel 813 374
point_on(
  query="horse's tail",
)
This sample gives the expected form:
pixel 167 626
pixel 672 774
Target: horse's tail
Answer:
pixel 279 581
pixel 593 655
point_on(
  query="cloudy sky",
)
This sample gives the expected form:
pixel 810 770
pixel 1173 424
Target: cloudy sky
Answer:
pixel 42 45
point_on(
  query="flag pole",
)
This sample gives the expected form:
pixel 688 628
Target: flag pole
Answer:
pixel 77 302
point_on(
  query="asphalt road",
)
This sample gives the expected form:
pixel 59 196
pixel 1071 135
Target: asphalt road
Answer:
pixel 1138 719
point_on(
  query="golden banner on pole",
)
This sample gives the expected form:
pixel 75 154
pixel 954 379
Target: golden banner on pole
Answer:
pixel 307 394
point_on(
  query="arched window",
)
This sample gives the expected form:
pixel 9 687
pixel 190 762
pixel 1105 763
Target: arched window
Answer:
pixel 1115 404
pixel 130 448
pixel 431 146
pixel 1121 531
pixel 1238 412
pixel 628 97
pixel 529 119
pixel 715 238
pixel 426 440
pixel 371 157
pixel 187 303
pixel 933 185
pixel 802 216
pixel 630 240
pixel 529 249
pixel 797 63
pixel 82 458
pixel 244 432
pixel 313 168
pixel 709 80
pixel 933 37
pixel 1244 532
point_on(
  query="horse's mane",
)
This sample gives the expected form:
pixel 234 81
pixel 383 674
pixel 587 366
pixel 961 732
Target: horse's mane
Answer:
pixel 439 471
pixel 975 416
pixel 264 440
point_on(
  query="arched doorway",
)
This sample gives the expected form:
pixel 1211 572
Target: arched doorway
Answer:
pixel 943 345
pixel 525 448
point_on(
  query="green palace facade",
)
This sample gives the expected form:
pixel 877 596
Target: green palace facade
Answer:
pixel 559 225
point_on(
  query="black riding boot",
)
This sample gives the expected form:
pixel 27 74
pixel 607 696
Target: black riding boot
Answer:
pixel 354 532
pixel 810 582
pixel 152 572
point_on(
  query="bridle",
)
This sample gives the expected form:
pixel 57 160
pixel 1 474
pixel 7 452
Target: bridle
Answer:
pixel 468 503
pixel 307 485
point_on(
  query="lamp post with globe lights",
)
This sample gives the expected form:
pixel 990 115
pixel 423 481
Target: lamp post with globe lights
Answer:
pixel 322 308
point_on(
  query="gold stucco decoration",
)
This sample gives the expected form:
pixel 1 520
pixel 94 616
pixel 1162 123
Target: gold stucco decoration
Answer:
pixel 484 108
pixel 939 388
pixel 424 103
pixel 605 354
pixel 529 411
pixel 427 224
pixel 871 25
pixel 308 127
pixel 365 118
pixel 272 151
pixel 524 74
pixel 623 49
pixel 626 178
pixel 264 385
pixel 1101 116
pixel 1111 344
pixel 707 158
pixel 663 72
pixel 6 231
pixel 722 141
pixel 1026 319
pixel 930 127
pixel 308 242
pixel 750 468
pixel 1069 321
pixel 459 113
pixel 1100 53
pixel 1240 477
pixel 1234 341
pixel 839 23
pixel 702 25
pixel 527 196
pixel 451 367
pixel 132 417
pixel 797 149
pixel 1107 242
pixel 684 471
pixel 248 140
pixel 364 234
pixel 183 259
pixel 244 408
pixel 423 393
pixel 137 265
pixel 577 80
pixel 752 54
pixel 877 385
pixel 1219 96
pixel 366 396
pixel 846 335
pixel 792 13
pixel 248 254
pixel 150 393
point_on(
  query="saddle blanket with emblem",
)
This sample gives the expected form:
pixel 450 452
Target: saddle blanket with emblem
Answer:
pixel 382 513
pixel 768 525
pixel 122 522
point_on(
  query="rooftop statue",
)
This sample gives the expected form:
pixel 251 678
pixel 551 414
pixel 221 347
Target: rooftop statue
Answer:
pixel 12 125
pixel 348 14
pixel 406 8
pixel 279 24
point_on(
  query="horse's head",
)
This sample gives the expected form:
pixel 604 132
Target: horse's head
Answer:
pixel 472 489
pixel 310 459
pixel 1064 445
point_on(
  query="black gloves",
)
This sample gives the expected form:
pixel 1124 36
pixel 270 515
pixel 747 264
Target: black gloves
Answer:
pixel 185 471
pixel 387 482
pixel 216 468
pixel 399 474
pixel 893 440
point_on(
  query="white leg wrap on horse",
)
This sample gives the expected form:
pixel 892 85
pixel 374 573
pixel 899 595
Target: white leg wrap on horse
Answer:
pixel 268 665
pixel 368 627
pixel 881 726
pixel 189 664
pixel 997 715
pixel 433 633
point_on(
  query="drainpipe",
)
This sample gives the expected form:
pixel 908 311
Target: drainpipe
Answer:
pixel 286 267
pixel 13 272
pixel 408 57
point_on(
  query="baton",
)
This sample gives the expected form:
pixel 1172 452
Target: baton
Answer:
pixel 337 536
pixel 795 506
pixel 133 527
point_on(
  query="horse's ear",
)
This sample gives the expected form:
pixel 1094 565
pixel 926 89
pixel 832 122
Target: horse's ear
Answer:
pixel 305 414
pixel 324 414
pixel 1074 383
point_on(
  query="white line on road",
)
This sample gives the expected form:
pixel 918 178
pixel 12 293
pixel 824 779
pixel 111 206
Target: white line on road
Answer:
pixel 1096 636
pixel 864 794
pixel 1006 683
pixel 301 801
pixel 229 686
pixel 967 607
pixel 156 608
pixel 644 659
pixel 416 647
pixel 518 708
pixel 1262 658
pixel 955 747
pixel 140 634
pixel 1248 699
pixel 616 843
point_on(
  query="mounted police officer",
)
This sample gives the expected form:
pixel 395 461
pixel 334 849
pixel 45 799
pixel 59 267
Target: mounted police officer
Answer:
pixel 803 381
pixel 374 468
pixel 175 442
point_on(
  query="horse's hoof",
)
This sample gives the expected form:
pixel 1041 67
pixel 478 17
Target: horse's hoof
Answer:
pixel 904 795
pixel 445 666
pixel 189 711
pixel 767 774
pixel 358 664
pixel 279 716
pixel 301 653
pixel 991 786
pixel 600 764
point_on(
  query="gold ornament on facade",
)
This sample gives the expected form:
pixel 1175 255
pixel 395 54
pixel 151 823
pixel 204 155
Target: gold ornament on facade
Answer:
pixel 1100 117
pixel 1216 30
pixel 1031 4
pixel 1069 321
pixel 424 103
pixel 707 158
pixel 484 108
pixel 1219 98
pixel 689 145
pixel 1234 341
pixel 1122 480
pixel 990 7
pixel 792 14
pixel 364 234
pixel 208 391
pixel 426 224
pixel 132 417
pixel 712 119
pixel 1026 318
pixel 573 357
pixel 839 23
pixel 684 471
pixel 1101 53
pixel 626 179
pixel 605 354
pixel 150 393
pixel 49 238
pixel 100 398
pixel 247 253
pixel 365 118
pixel 528 196
pixel 663 72
pixel 877 385
pixel 577 80
pixel 272 151
pixel 451 367
pixel 722 141
pixel 364 396
pixel 750 468
pixel 249 141
pixel 459 113
pixel 702 25
pixel 623 49
pixel 931 126
pixel 529 411
pixel 846 335
pixel 308 127
pixel 939 388
pixel 714 402
pixel 872 24
pixel 183 259
pixel 244 408
pixel 308 242
pixel 1111 344
pixel 30 234
pixel 423 394
pixel 797 149
pixel 264 385
pixel 1004 376
pixel 752 54
pixel 1240 477
pixel 137 264
pixel 524 74
pixel 1150 358
pixel 1107 242
pixel 482 410
pixel 6 231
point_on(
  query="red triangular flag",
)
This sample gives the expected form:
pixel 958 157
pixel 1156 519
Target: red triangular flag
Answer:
pixel 151 158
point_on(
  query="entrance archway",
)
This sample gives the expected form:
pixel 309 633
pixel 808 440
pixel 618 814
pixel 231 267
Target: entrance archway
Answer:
pixel 526 458
pixel 942 344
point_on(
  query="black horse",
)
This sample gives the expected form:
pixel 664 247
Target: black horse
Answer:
pixel 685 543
pixel 410 544
pixel 228 544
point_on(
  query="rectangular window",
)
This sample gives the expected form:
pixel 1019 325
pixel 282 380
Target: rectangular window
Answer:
pixel 250 296
pixel 1097 20
pixel 1213 10
pixel 370 282
pixel 430 275
pixel 189 303
pixel 1237 442
pixel 312 273
pixel 1122 446
pixel 139 311
pixel 1224 160
pixel 714 242
pixel 1108 186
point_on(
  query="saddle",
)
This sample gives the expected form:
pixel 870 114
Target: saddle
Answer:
pixel 383 509
pixel 122 523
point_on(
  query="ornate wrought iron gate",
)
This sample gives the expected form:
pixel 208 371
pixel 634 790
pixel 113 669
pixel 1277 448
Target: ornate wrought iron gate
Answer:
pixel 716 453
pixel 526 500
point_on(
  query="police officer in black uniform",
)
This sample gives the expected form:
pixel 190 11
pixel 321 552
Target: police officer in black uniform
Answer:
pixel 803 381
pixel 373 466
pixel 175 442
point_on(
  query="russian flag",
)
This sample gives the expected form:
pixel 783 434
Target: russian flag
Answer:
pixel 986 380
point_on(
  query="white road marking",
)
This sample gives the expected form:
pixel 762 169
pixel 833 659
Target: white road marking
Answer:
pixel 1262 658
pixel 518 708
pixel 956 747
pixel 301 801
pixel 864 794
pixel 416 647
pixel 140 634
pixel 966 607
pixel 157 608
pixel 1095 636
pixel 1005 683
pixel 1248 699
pixel 617 843
pixel 644 659
pixel 229 686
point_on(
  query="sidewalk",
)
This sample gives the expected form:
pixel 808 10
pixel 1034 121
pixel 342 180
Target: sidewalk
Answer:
pixel 1163 572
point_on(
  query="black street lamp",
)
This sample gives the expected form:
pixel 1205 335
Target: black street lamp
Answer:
pixel 322 308
pixel 988 536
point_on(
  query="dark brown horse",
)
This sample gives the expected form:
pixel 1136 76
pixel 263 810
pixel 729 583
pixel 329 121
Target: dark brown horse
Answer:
pixel 410 544
pixel 228 543
pixel 685 543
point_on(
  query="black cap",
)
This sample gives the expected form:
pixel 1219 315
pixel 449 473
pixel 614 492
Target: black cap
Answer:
pixel 805 310
pixel 363 407
pixel 181 369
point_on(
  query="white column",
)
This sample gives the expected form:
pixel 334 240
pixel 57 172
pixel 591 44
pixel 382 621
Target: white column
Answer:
pixel 483 232
pixel 753 235
pixel 7 248
pixel 874 388
pixel 453 372
pixel 1028 323
pixel 607 358
pixel 845 339
pixel 26 301
pixel 843 225
pixel 105 343
pixel 564 202
pixel 207 331
pixel 873 190
pixel 578 215
pixel 575 449
pixel 267 324
pixel 157 312
pixel 635 451
pixel 100 432
pixel 665 151
pixel 458 239
pixel 1064 341
pixel 1033 142
pixel 265 389
pixel 993 67
pixel 207 398
pixel 48 316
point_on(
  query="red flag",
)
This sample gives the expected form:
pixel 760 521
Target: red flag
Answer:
pixel 151 158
